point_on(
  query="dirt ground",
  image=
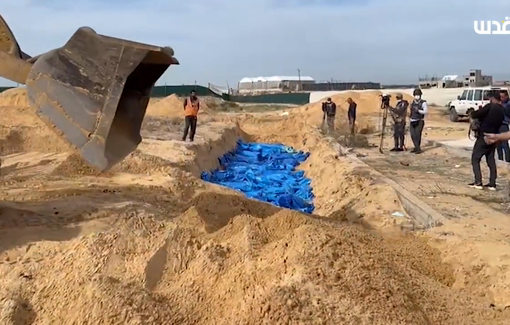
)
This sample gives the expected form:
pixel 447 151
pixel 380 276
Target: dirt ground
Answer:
pixel 150 243
pixel 475 235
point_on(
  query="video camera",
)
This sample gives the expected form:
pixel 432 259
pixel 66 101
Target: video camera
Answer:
pixel 385 100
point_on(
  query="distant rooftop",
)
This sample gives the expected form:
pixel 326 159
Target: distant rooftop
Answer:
pixel 276 78
pixel 450 77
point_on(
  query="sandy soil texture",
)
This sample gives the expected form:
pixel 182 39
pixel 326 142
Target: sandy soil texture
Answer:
pixel 150 243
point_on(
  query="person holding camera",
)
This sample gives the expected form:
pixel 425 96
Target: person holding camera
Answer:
pixel 488 120
pixel 399 113
pixel 329 109
pixel 419 109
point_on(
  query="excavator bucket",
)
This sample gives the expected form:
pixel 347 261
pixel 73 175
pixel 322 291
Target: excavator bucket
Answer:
pixel 93 91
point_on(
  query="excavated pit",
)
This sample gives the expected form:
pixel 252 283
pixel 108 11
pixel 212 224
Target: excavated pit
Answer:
pixel 150 243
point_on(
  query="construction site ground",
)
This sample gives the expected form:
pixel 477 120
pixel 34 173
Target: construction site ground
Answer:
pixel 150 243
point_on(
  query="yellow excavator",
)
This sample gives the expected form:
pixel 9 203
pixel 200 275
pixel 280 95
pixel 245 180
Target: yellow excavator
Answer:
pixel 93 91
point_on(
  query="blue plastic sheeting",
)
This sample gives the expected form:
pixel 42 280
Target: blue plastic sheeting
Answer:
pixel 266 172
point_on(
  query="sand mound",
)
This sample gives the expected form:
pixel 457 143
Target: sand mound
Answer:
pixel 27 139
pixel 136 163
pixel 21 130
pixel 228 260
pixel 272 270
pixel 171 106
pixel 14 97
pixel 368 101
pixel 177 251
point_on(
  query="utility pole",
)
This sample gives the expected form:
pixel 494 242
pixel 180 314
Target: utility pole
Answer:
pixel 299 78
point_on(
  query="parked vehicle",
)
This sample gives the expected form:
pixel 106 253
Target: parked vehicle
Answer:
pixel 470 99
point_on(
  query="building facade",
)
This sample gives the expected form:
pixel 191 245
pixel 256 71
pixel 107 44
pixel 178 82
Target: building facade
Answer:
pixel 477 79
pixel 474 79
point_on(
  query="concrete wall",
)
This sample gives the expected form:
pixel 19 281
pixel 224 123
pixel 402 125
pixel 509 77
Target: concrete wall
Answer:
pixel 438 96
pixel 434 96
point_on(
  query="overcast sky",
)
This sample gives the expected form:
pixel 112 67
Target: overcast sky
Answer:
pixel 219 41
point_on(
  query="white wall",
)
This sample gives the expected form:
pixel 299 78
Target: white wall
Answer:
pixel 436 96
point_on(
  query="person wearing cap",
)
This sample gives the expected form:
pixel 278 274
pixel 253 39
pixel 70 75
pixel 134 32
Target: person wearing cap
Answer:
pixel 490 118
pixel 419 109
pixel 351 114
pixel 503 149
pixel 329 109
pixel 399 113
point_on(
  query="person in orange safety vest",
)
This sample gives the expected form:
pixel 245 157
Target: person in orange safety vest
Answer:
pixel 191 108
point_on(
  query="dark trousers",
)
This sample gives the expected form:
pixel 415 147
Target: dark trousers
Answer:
pixel 416 130
pixel 399 130
pixel 503 149
pixel 330 119
pixel 481 149
pixel 352 125
pixel 190 122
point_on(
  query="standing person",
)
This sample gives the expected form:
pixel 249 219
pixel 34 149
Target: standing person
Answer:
pixel 329 109
pixel 490 118
pixel 503 149
pixel 191 108
pixel 351 114
pixel 399 114
pixel 419 108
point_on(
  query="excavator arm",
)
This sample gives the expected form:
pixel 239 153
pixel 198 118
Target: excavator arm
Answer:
pixel 93 91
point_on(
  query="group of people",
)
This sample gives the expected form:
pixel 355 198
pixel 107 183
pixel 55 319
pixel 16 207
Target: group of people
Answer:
pixel 418 110
pixel 491 135
pixel 329 110
pixel 399 113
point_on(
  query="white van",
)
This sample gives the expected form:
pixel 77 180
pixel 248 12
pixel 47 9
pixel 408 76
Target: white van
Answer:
pixel 471 99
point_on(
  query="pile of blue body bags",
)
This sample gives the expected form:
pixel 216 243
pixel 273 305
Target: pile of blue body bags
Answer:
pixel 266 172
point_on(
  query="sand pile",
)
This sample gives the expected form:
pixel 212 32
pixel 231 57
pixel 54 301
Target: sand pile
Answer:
pixel 20 128
pixel 227 260
pixel 171 106
pixel 194 253
pixel 343 191
pixel 136 163
pixel 14 97
pixel 368 101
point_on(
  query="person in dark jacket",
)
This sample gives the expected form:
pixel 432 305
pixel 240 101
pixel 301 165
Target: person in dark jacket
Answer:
pixel 490 118
pixel 503 148
pixel 351 114
pixel 419 109
pixel 399 113
pixel 329 109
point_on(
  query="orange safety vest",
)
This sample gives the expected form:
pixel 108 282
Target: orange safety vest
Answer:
pixel 191 108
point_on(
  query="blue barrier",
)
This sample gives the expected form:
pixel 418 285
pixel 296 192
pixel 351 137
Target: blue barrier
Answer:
pixel 266 172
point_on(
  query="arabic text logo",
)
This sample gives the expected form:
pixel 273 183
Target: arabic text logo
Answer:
pixel 492 27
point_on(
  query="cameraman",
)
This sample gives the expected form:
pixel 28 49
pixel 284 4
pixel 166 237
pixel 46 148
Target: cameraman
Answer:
pixel 419 108
pixel 329 109
pixel 490 118
pixel 399 122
